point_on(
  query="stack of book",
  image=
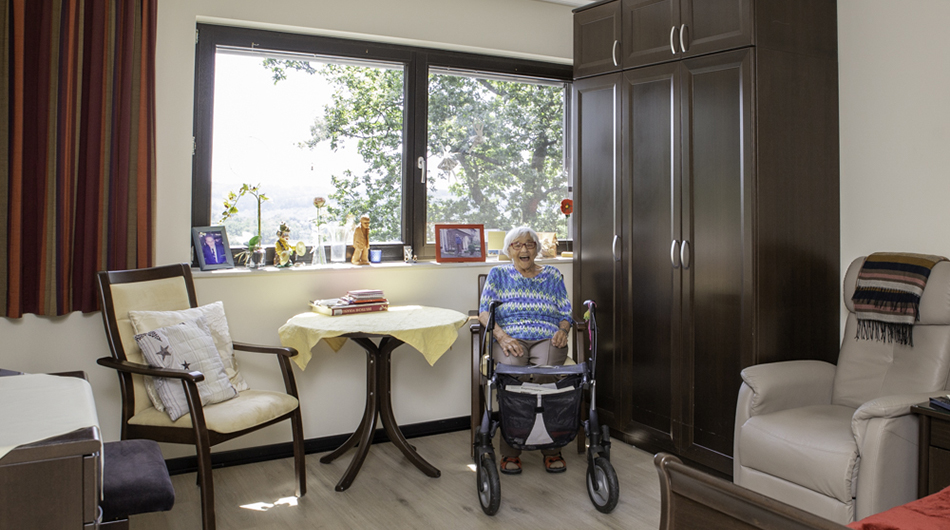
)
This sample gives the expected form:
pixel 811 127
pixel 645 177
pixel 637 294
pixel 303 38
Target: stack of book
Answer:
pixel 359 301
pixel 940 402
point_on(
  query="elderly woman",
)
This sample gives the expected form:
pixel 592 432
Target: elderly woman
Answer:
pixel 531 325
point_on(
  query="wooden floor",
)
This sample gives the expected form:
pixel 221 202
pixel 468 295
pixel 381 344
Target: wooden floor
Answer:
pixel 389 492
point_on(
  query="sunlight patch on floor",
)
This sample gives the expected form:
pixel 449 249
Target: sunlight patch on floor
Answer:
pixel 264 506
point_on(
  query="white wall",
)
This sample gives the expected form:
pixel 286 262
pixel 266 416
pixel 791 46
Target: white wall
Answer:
pixel 894 93
pixel 332 386
pixel 894 81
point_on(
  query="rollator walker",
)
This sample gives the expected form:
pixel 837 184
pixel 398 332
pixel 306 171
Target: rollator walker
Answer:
pixel 543 416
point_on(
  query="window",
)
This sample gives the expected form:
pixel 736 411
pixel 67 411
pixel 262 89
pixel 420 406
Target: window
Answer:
pixel 409 136
pixel 495 152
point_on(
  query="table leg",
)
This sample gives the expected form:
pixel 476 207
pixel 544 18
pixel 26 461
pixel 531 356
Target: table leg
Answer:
pixel 351 441
pixel 367 426
pixel 387 345
pixel 923 456
pixel 378 402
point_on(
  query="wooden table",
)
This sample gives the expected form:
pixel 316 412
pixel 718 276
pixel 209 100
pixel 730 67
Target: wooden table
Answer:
pixel 933 473
pixel 430 330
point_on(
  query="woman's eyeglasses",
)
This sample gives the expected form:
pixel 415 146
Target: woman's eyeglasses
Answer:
pixel 531 245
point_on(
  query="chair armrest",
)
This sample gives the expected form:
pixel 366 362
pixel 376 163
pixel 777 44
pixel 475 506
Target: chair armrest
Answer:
pixel 773 387
pixel 886 407
pixel 255 348
pixel 144 369
pixel 789 384
pixel 283 354
pixel 887 437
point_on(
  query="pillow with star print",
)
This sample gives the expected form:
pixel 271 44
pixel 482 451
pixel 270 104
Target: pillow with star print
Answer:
pixel 186 346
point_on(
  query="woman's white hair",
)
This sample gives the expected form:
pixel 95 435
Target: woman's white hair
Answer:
pixel 516 233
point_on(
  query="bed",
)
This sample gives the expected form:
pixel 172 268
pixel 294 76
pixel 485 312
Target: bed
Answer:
pixel 693 499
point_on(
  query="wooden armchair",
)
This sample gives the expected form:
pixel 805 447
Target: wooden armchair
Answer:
pixel 171 288
pixel 480 360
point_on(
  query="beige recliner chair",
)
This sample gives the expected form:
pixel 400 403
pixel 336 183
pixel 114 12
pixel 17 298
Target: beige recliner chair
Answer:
pixel 840 441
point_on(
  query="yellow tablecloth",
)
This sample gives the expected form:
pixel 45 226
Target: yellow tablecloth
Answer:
pixel 431 330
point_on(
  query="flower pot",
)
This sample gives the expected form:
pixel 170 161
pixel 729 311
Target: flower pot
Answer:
pixel 255 259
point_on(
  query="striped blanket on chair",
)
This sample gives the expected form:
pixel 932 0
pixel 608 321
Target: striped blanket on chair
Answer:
pixel 887 295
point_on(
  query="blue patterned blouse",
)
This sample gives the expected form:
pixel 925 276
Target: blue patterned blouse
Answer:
pixel 533 307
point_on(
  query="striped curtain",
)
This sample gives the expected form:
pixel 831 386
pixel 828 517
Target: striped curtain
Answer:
pixel 77 163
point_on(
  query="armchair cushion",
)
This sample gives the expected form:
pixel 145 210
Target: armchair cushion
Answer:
pixel 249 409
pixel 188 346
pixel 813 447
pixel 217 322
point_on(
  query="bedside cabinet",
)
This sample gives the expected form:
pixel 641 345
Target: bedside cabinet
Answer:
pixel 934 446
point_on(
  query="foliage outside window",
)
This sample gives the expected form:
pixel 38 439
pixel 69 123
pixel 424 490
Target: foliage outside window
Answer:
pixel 343 128
pixel 496 153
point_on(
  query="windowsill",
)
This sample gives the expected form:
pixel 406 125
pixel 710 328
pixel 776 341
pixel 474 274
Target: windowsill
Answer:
pixel 330 267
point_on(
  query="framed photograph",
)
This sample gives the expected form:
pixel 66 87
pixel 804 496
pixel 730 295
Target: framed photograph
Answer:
pixel 212 248
pixel 455 243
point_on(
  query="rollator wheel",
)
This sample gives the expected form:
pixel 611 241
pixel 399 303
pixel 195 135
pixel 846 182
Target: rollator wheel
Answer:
pixel 489 486
pixel 602 485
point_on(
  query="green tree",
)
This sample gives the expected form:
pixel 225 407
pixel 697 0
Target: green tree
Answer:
pixel 497 147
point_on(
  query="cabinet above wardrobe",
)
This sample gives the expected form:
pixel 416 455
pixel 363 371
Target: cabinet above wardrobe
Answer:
pixel 616 35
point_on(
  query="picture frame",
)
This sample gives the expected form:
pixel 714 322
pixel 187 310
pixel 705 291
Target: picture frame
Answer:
pixel 212 249
pixel 459 242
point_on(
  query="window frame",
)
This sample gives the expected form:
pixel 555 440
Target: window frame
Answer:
pixel 417 61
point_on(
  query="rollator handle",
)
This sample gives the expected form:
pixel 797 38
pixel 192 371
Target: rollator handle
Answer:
pixel 488 334
pixel 491 314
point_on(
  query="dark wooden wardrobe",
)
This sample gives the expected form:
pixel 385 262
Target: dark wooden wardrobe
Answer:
pixel 705 158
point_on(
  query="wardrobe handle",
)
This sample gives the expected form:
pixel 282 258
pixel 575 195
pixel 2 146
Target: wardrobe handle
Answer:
pixel 684 254
pixel 613 248
pixel 613 53
pixel 683 29
pixel 672 45
pixel 673 255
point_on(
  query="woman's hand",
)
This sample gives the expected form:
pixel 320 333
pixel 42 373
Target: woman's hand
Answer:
pixel 559 340
pixel 508 345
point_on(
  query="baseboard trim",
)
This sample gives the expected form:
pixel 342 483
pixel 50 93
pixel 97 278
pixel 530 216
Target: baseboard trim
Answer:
pixel 249 455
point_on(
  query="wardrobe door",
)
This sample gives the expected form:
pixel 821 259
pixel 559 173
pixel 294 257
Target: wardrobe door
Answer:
pixel 650 32
pixel 597 265
pixel 708 26
pixel 717 258
pixel 651 190
pixel 597 45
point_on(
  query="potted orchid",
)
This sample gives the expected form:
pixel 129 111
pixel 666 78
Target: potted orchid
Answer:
pixel 254 254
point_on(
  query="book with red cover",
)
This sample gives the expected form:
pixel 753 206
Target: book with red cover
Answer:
pixel 347 309
pixel 349 300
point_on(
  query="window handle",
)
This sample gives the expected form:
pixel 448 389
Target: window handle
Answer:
pixel 421 164
pixel 683 29
pixel 673 261
pixel 672 44
pixel 613 53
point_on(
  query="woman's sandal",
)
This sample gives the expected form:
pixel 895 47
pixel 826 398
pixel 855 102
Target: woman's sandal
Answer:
pixel 551 461
pixel 515 463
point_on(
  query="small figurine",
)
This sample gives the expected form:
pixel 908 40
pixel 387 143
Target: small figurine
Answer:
pixel 361 242
pixel 283 250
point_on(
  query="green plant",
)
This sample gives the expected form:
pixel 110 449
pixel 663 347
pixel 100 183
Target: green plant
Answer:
pixel 230 208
